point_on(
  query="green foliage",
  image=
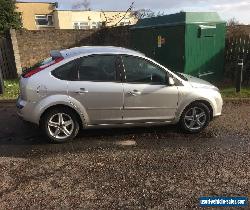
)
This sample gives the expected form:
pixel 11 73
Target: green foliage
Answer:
pixel 9 17
pixel 11 89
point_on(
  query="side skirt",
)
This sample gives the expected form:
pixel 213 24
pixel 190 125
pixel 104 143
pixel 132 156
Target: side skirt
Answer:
pixel 121 125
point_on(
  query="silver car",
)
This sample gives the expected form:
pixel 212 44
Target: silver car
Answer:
pixel 93 87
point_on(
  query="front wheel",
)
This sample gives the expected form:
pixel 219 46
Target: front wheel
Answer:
pixel 60 125
pixel 195 118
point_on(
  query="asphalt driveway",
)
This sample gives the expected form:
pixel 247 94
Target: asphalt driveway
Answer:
pixel 139 168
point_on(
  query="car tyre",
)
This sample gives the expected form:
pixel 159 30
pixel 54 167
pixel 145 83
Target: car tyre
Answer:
pixel 60 125
pixel 195 118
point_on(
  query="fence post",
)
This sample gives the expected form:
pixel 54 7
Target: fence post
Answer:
pixel 1 82
pixel 239 75
pixel 17 59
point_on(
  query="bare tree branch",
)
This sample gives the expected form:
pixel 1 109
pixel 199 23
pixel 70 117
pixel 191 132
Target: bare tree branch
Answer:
pixel 128 10
pixel 143 13
pixel 233 22
pixel 114 17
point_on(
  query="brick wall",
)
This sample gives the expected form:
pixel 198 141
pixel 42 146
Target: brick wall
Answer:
pixel 36 45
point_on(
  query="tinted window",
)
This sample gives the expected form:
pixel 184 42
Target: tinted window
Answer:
pixel 97 68
pixel 138 70
pixel 65 72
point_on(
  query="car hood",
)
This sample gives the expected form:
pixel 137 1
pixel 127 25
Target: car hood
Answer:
pixel 198 83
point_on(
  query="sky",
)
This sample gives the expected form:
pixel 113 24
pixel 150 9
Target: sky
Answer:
pixel 239 9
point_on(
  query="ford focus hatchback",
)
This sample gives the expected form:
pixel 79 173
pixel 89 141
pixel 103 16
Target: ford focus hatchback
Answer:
pixel 93 87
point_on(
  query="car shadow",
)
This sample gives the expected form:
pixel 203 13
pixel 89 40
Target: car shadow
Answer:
pixel 20 139
pixel 35 143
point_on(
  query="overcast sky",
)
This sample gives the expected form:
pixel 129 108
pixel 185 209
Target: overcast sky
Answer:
pixel 239 9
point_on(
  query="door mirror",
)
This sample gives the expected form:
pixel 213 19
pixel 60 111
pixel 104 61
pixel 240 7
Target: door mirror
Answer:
pixel 171 81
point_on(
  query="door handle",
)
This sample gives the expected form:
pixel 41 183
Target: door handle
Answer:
pixel 81 91
pixel 134 93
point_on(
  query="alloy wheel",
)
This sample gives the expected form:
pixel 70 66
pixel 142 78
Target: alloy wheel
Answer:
pixel 195 118
pixel 60 126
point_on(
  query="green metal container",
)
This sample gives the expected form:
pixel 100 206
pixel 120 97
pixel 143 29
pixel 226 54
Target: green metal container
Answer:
pixel 188 42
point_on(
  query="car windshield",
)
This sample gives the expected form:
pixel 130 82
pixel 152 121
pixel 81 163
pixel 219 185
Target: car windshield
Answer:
pixel 181 76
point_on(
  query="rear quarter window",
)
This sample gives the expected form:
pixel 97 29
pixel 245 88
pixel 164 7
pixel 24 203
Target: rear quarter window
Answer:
pixel 66 72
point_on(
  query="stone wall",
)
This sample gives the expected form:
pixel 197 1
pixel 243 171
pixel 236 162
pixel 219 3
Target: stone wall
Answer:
pixel 36 45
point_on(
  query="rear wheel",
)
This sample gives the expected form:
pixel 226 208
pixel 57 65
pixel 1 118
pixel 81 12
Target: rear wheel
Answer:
pixel 60 125
pixel 195 118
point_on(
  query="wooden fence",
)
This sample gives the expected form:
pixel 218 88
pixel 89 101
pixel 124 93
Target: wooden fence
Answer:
pixel 7 59
pixel 237 47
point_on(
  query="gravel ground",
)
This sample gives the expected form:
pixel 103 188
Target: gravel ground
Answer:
pixel 139 168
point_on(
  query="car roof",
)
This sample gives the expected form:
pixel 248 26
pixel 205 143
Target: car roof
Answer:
pixel 88 50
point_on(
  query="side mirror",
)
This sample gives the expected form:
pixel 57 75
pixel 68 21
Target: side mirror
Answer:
pixel 171 81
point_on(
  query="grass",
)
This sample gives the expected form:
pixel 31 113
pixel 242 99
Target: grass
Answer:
pixel 12 91
pixel 231 93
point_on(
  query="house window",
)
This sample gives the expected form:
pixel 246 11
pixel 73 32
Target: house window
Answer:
pixel 95 25
pixel 44 20
pixel 81 25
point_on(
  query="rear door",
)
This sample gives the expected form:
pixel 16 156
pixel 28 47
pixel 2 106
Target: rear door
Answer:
pixel 99 89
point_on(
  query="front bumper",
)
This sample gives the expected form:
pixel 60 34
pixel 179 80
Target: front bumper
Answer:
pixel 218 106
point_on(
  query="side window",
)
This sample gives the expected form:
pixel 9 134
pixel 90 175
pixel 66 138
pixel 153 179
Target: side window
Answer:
pixel 100 68
pixel 66 71
pixel 138 70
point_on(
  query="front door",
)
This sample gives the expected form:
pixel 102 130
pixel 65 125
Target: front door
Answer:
pixel 99 88
pixel 147 95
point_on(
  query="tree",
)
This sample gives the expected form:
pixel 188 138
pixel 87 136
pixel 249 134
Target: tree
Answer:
pixel 234 28
pixel 146 13
pixel 85 4
pixel 143 13
pixel 9 17
pixel 233 22
pixel 118 18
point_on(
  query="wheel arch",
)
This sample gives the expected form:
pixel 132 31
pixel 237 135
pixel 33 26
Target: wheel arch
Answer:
pixel 56 106
pixel 207 103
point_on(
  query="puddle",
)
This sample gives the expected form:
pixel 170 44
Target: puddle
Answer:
pixel 126 143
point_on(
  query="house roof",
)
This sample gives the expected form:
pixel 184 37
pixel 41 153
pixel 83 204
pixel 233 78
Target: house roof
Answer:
pixel 81 10
pixel 45 2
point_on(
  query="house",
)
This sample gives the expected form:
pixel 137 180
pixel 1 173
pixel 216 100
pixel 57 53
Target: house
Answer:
pixel 46 15
pixel 36 15
pixel 78 19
